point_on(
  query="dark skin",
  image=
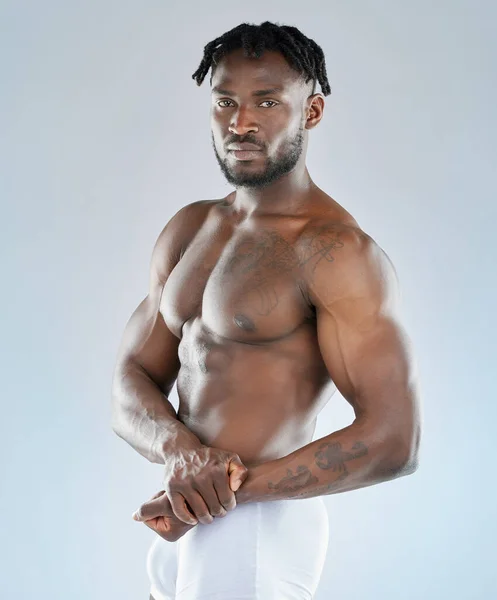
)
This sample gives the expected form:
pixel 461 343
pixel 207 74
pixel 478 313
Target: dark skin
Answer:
pixel 262 305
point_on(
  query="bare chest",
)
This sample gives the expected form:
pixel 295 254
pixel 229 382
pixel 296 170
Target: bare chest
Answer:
pixel 244 285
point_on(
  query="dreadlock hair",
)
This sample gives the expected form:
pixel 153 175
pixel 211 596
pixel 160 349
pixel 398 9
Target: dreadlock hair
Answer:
pixel 302 53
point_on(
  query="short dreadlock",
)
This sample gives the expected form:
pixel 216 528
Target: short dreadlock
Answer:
pixel 302 53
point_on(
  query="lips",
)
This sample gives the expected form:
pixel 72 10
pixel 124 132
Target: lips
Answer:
pixel 245 154
pixel 244 146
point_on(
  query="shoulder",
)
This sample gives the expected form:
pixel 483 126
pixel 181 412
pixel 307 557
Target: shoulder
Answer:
pixel 177 234
pixel 340 260
pixel 326 241
pixel 184 224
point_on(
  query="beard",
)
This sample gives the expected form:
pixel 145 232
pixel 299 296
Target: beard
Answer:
pixel 274 169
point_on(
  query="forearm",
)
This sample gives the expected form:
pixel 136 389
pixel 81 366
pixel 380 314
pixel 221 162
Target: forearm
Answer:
pixel 144 417
pixel 345 460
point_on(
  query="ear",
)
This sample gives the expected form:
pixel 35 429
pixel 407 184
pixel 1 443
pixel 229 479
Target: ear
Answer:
pixel 314 110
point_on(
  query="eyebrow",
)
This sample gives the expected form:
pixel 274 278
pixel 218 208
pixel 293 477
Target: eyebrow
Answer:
pixel 273 90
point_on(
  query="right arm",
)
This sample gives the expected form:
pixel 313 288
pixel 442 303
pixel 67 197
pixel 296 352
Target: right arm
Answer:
pixel 199 480
pixel 147 362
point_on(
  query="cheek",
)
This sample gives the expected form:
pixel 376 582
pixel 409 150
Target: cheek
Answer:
pixel 219 119
pixel 281 142
pixel 216 135
pixel 215 124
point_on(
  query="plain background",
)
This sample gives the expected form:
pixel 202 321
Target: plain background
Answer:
pixel 104 135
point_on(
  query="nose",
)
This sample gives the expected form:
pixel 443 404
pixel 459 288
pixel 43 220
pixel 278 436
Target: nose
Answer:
pixel 241 122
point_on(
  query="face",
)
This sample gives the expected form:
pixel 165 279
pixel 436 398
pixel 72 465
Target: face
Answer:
pixel 262 102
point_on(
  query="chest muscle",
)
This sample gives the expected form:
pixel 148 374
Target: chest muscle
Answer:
pixel 243 285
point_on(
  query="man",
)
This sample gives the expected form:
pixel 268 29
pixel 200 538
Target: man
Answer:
pixel 261 305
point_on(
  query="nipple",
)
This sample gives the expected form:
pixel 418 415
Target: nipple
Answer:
pixel 244 322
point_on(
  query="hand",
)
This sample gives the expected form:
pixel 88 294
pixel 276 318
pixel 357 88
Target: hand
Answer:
pixel 157 514
pixel 200 483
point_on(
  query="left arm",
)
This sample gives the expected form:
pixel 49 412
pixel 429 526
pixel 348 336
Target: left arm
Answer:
pixel 367 354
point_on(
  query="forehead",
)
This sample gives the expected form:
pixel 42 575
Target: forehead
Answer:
pixel 271 68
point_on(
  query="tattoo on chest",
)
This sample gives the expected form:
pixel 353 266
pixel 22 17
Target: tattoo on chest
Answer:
pixel 270 255
pixel 260 261
pixel 319 245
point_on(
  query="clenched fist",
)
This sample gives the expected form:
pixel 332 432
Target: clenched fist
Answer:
pixel 158 515
pixel 201 482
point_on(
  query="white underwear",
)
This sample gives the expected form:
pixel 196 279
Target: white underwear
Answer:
pixel 259 551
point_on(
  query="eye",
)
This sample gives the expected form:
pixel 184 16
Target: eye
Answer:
pixel 263 102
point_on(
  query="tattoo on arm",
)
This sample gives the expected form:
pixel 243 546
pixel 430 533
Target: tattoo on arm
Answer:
pixel 290 483
pixel 329 456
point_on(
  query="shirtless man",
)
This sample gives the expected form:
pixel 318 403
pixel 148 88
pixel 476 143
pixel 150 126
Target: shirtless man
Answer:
pixel 261 305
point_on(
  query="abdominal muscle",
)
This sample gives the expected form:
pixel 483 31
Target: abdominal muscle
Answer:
pixel 258 400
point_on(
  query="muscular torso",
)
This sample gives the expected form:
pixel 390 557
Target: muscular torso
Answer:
pixel 252 379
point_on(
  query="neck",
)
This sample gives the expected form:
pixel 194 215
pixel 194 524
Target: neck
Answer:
pixel 285 196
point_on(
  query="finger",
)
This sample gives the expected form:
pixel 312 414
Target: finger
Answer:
pixel 180 509
pixel 209 495
pixel 199 507
pixel 152 524
pixel 235 465
pixel 225 495
pixel 158 494
pixel 237 472
pixel 160 527
pixel 151 509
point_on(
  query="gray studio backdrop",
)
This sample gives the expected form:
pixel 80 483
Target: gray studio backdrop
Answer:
pixel 103 136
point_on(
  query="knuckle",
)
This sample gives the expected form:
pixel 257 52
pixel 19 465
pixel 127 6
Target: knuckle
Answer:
pixel 201 478
pixel 171 486
pixel 228 500
pixel 230 503
pixel 178 510
pixel 207 452
pixel 221 512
